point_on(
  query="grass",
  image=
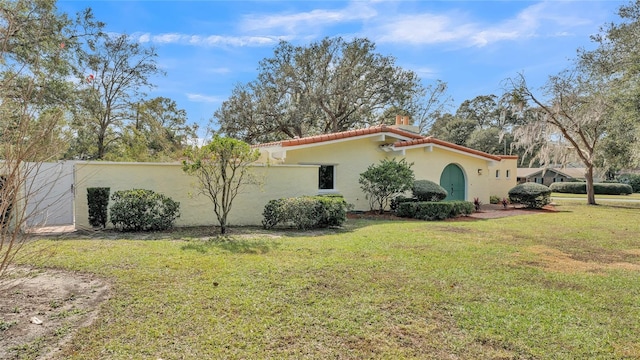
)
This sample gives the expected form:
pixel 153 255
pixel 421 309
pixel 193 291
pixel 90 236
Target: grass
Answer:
pixel 634 196
pixel 558 285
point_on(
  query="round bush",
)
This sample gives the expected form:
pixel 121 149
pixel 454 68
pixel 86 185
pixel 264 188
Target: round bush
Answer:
pixel 531 195
pixel 425 190
pixel 142 210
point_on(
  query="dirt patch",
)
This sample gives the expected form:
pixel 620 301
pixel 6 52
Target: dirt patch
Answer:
pixel 492 211
pixel 556 260
pixel 40 310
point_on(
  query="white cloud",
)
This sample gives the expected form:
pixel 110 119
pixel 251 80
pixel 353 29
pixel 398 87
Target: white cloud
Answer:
pixel 203 98
pixel 144 38
pixel 219 70
pixel 544 19
pixel 206 41
pixel 170 38
pixel 294 23
pixel 424 29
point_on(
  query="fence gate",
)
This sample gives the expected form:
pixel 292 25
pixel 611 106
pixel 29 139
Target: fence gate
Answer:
pixel 50 194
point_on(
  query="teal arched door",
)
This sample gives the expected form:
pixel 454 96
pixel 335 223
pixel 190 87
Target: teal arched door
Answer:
pixel 452 179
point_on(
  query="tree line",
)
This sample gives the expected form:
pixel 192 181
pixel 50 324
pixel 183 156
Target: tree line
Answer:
pixel 89 87
pixel 86 86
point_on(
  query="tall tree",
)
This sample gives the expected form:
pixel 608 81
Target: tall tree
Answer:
pixel 39 50
pixel 328 86
pixel 589 104
pixel 119 71
pixel 570 124
pixel 222 168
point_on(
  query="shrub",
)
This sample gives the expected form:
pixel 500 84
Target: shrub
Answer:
pixel 386 180
pixel 143 210
pixel 425 190
pixel 429 210
pixel 612 189
pixel 631 179
pixel 531 195
pixel 273 213
pixel 477 203
pixel 598 188
pixel 494 199
pixel 306 212
pixel 569 187
pixel 98 202
pixel 396 201
pixel 8 196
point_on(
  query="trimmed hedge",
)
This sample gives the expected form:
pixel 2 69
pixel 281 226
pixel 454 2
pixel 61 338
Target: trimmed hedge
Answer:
pixel 399 200
pixel 306 212
pixel 531 195
pixel 430 210
pixel 631 179
pixel 143 210
pixel 425 190
pixel 599 188
pixel 98 202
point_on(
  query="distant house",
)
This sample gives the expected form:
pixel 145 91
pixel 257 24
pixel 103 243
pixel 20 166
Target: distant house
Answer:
pixel 548 176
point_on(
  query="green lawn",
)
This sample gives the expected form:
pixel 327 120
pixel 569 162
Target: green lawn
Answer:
pixel 634 196
pixel 558 285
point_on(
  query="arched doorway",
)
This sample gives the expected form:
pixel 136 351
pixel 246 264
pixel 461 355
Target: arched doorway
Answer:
pixel 452 179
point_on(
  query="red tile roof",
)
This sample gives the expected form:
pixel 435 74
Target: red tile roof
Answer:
pixel 416 139
pixel 432 140
pixel 342 135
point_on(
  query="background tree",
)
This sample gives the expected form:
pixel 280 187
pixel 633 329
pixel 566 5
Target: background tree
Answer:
pixel 592 104
pixel 617 59
pixel 222 168
pixel 384 181
pixel 569 125
pixel 328 86
pixel 118 73
pixel 424 108
pixel 38 53
pixel 158 132
pixel 483 123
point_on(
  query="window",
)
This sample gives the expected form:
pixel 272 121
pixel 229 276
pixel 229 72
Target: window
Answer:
pixel 326 177
pixel 497 174
pixel 508 173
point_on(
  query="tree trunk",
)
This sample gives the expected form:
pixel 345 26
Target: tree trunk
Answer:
pixel 591 195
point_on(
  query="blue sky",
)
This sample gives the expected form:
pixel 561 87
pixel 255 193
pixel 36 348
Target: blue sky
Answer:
pixel 206 47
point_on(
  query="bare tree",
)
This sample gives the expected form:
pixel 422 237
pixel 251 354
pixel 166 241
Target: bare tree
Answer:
pixel 119 70
pixel 569 121
pixel 38 50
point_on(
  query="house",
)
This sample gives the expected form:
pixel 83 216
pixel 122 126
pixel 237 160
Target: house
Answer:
pixel 341 157
pixel 322 164
pixel 548 176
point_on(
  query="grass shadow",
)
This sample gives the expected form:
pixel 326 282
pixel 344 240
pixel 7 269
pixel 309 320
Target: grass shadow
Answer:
pixel 232 245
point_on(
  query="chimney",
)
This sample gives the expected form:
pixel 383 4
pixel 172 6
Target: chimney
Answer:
pixel 404 123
